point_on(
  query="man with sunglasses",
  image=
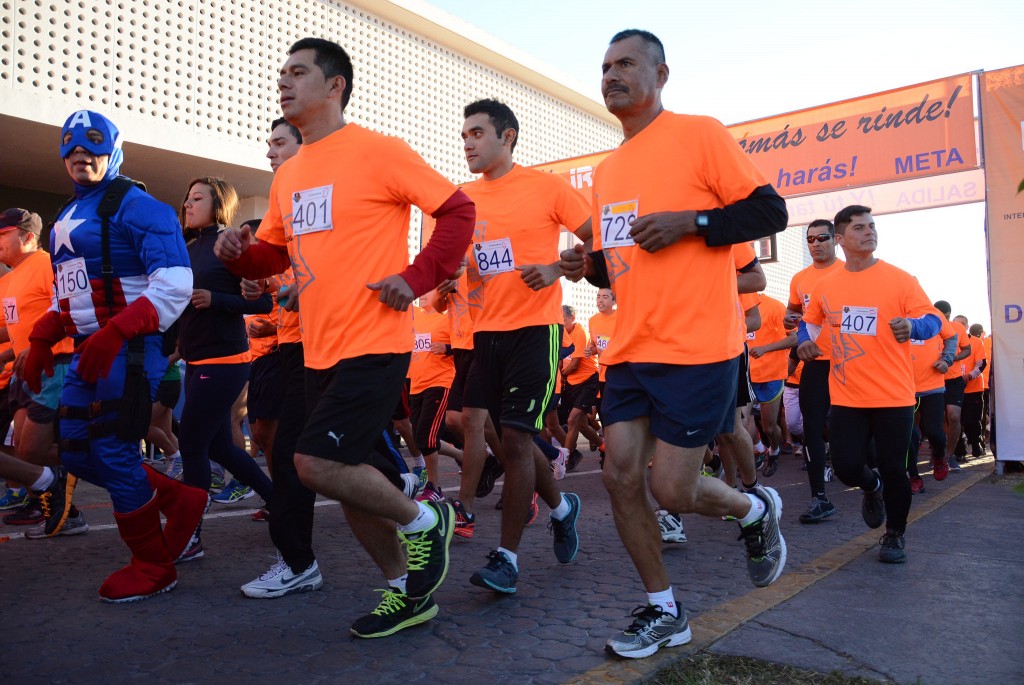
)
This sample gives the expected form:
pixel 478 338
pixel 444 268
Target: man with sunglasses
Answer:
pixel 814 395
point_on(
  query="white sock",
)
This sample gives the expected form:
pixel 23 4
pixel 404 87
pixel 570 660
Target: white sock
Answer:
pixel 759 447
pixel 562 510
pixel 398 583
pixel 757 510
pixel 664 599
pixel 176 456
pixel 44 480
pixel 512 556
pixel 424 520
pixel 419 461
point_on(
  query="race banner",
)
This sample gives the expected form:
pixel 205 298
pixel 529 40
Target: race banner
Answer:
pixel 1002 125
pixel 920 140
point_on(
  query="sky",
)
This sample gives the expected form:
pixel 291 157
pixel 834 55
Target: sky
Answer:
pixel 740 60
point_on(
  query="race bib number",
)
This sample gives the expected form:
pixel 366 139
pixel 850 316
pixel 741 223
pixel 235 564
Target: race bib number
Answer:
pixel 72 279
pixel 615 223
pixel 916 342
pixel 422 342
pixel 859 321
pixel 311 210
pixel 494 257
pixel 751 336
pixel 602 342
pixel 11 310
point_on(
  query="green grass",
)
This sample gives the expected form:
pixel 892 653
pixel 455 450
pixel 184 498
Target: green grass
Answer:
pixel 713 669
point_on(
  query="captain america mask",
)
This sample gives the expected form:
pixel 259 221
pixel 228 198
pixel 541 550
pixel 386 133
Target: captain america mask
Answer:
pixel 94 133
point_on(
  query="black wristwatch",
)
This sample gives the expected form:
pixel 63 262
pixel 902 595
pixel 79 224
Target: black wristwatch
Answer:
pixel 701 221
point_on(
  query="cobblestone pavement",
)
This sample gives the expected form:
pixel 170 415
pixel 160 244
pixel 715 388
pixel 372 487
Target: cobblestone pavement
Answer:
pixel 552 631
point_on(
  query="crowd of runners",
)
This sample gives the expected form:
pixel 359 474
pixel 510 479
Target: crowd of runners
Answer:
pixel 689 382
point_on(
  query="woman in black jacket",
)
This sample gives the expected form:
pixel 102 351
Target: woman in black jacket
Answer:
pixel 213 342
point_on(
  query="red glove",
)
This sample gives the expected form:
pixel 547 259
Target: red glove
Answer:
pixel 98 352
pixel 48 331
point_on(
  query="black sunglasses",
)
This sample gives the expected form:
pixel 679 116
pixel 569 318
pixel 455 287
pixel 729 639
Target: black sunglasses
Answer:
pixel 811 239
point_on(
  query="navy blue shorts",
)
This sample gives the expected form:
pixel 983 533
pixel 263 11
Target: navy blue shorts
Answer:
pixel 688 405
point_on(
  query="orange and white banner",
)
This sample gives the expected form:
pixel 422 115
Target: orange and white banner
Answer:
pixel 1002 125
pixel 918 141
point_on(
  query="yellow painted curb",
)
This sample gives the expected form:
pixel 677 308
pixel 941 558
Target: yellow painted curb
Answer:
pixel 713 625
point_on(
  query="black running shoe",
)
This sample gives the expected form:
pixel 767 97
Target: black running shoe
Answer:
pixel 55 503
pixel 819 510
pixel 395 612
pixel 873 507
pixel 575 457
pixel 428 552
pixel 892 548
pixel 493 470
pixel 567 540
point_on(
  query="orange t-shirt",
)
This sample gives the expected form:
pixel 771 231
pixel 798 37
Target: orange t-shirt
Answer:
pixel 342 207
pixel 519 218
pixel 987 342
pixel 924 353
pixel 960 367
pixel 28 294
pixel 587 367
pixel 977 354
pixel 676 305
pixel 289 328
pixel 869 368
pixel 794 378
pixel 429 370
pixel 800 288
pixel 460 316
pixel 602 328
pixel 774 365
pixel 260 347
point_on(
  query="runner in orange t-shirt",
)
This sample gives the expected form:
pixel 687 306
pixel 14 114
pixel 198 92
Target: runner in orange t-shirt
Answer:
pixel 515 300
pixel 974 391
pixel 668 204
pixel 602 328
pixel 814 395
pixel 769 354
pixel 931 358
pixel 431 372
pixel 28 295
pixel 340 210
pixel 870 310
pixel 43 496
pixel 580 386
pixel 955 383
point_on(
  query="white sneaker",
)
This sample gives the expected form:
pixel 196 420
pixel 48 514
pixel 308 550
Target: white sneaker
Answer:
pixel 412 485
pixel 280 581
pixel 558 465
pixel 671 527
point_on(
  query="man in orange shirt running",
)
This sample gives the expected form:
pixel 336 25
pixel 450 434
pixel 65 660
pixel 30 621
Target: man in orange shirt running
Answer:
pixel 339 214
pixel 579 385
pixel 669 203
pixel 955 382
pixel 602 328
pixel 515 303
pixel 870 311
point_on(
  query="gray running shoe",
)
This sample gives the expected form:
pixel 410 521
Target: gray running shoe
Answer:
pixel 567 539
pixel 499 574
pixel 953 465
pixel 74 524
pixel 651 629
pixel 892 548
pixel 819 510
pixel 765 546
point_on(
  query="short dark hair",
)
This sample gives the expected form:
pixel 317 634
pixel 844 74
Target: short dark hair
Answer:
pixel 568 310
pixel 332 60
pixel 295 132
pixel 654 44
pixel 943 307
pixel 501 115
pixel 823 223
pixel 846 214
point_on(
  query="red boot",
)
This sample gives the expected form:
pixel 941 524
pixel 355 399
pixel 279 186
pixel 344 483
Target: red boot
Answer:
pixel 183 505
pixel 151 570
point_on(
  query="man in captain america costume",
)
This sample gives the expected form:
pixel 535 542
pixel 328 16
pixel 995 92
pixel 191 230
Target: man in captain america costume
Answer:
pixel 150 286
